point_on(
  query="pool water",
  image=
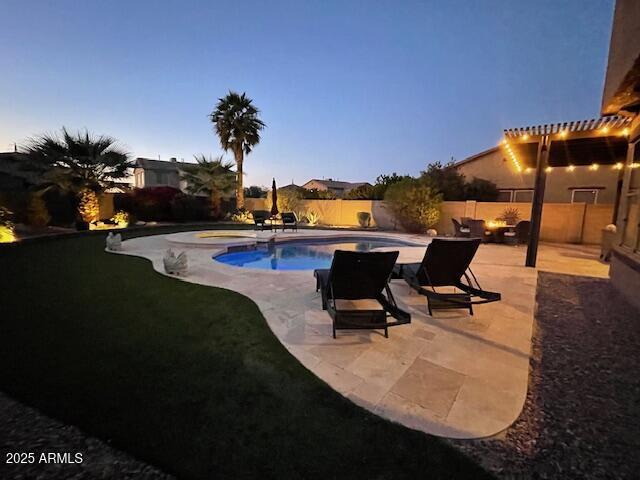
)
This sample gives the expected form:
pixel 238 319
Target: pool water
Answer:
pixel 300 254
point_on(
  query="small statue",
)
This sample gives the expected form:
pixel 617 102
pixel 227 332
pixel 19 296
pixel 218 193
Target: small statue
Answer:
pixel 114 242
pixel 175 264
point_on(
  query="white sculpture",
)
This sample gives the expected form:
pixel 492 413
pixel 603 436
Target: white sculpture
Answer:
pixel 175 264
pixel 611 228
pixel 432 232
pixel 114 242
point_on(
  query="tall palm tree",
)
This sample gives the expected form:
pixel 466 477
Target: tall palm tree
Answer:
pixel 237 124
pixel 213 177
pixel 78 162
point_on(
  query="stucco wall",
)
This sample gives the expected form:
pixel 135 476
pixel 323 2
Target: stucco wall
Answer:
pixel 561 222
pixel 494 166
pixel 624 51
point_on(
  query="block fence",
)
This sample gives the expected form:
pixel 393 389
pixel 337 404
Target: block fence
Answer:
pixel 561 222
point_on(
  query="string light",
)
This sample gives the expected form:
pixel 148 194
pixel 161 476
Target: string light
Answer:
pixel 604 129
pixel 563 134
pixel 634 165
pixel 515 161
pixel 528 170
pixel 525 136
pixel 618 166
pixel 625 133
pixel 548 169
pixel 594 167
pixel 571 168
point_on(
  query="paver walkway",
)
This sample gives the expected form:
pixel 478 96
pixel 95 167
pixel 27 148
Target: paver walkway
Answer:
pixel 451 375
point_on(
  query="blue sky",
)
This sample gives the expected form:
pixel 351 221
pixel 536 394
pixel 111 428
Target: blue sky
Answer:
pixel 348 89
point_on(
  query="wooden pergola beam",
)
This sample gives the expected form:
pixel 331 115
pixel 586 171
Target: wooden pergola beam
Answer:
pixel 538 201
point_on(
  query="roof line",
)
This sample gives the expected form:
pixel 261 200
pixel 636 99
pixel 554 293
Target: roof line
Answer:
pixel 475 156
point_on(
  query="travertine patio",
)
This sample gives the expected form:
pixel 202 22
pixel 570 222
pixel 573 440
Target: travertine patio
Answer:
pixel 452 375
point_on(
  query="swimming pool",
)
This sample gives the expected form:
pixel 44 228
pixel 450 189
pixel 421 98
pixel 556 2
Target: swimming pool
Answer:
pixel 300 254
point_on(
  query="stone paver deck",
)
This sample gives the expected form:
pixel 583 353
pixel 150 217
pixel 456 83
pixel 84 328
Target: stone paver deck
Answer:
pixel 452 375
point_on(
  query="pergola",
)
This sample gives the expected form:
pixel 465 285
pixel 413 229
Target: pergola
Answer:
pixel 601 142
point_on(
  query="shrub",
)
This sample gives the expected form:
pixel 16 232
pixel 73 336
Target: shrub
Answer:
pixel 510 216
pixel 363 192
pixel 288 200
pixel 415 204
pixel 6 226
pixel 364 219
pixel 148 204
pixel 62 206
pixel 89 208
pixel 188 208
pixel 315 194
pixel 121 219
pixel 312 217
pixel 37 213
pixel 242 216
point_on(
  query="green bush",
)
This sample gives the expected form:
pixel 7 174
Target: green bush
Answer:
pixel 481 190
pixel 415 204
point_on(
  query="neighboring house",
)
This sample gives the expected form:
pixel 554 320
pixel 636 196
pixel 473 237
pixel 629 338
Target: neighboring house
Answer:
pixel 157 173
pixel 564 185
pixel 13 176
pixel 334 186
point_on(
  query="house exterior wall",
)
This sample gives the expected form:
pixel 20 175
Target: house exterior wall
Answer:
pixel 496 167
pixel 624 52
pixel 145 177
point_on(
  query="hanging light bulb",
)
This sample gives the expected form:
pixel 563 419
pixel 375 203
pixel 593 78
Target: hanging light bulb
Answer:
pixel 594 167
pixel 571 168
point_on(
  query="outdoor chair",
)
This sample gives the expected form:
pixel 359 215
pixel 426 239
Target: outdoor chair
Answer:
pixel 478 229
pixel 460 230
pixel 520 234
pixel 445 264
pixel 355 291
pixel 289 220
pixel 260 218
pixel 465 221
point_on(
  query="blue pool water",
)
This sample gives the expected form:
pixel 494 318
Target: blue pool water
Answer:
pixel 301 254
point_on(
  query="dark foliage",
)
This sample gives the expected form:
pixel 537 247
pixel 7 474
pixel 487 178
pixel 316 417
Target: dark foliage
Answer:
pixel 255 191
pixel 189 208
pixel 481 190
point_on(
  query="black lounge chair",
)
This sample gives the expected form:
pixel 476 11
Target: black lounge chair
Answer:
pixel 260 218
pixel 352 291
pixel 289 220
pixel 445 264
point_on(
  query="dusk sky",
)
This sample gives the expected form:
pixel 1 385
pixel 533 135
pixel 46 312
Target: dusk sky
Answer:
pixel 348 89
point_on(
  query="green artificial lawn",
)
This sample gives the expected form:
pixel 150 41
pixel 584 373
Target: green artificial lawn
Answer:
pixel 186 377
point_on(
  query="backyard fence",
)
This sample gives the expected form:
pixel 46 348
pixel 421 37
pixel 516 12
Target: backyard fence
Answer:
pixel 561 222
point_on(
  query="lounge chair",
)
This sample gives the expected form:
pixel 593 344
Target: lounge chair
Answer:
pixel 289 220
pixel 460 230
pixel 520 234
pixel 352 291
pixel 445 264
pixel 260 218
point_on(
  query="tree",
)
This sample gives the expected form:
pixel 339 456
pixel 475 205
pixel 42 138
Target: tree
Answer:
pixel 212 177
pixel 481 190
pixel 236 123
pixel 383 182
pixel 445 179
pixel 415 203
pixel 255 191
pixel 78 162
pixel 89 207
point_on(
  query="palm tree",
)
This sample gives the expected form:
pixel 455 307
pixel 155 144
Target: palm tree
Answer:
pixel 238 126
pixel 78 162
pixel 213 177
